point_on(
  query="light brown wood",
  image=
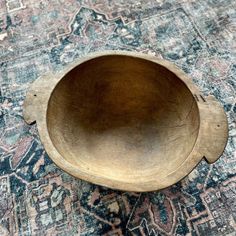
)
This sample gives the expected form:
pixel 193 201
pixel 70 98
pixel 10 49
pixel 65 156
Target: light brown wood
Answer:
pixel 126 120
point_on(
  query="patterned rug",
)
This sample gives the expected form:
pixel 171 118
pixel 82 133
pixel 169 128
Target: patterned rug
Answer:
pixel 37 198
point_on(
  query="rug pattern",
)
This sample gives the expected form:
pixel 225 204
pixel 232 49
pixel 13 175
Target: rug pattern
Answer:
pixel 36 197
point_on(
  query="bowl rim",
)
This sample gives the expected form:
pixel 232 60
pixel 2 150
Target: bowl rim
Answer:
pixel 180 172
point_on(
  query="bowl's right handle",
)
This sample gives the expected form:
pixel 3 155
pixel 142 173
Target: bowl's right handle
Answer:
pixel 214 128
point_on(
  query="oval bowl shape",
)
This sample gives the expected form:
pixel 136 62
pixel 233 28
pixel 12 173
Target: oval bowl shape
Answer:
pixel 126 121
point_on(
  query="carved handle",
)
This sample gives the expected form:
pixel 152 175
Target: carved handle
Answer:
pixel 37 97
pixel 214 128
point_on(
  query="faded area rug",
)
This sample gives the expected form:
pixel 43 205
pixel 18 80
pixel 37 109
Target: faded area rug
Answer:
pixel 37 198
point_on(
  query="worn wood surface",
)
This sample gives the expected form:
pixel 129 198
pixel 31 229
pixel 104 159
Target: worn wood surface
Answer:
pixel 126 120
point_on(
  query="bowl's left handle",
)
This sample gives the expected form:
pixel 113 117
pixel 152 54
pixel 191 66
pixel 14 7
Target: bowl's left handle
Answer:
pixel 35 98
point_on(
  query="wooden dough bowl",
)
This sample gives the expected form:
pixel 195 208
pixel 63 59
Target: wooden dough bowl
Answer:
pixel 125 120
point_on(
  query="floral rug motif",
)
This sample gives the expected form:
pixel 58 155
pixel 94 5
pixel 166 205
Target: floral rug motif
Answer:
pixel 36 197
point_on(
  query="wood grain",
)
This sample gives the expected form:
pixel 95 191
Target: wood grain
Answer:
pixel 126 120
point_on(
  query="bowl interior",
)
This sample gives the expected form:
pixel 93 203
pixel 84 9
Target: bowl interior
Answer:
pixel 123 117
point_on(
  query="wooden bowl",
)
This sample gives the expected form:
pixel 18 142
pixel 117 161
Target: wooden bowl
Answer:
pixel 125 120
